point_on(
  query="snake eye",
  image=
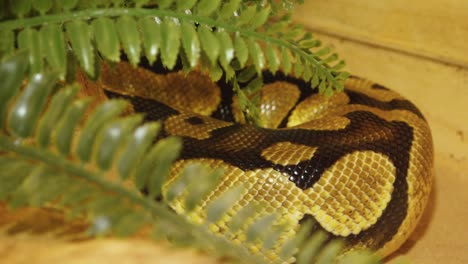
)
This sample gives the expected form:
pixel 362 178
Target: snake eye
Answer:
pixel 194 120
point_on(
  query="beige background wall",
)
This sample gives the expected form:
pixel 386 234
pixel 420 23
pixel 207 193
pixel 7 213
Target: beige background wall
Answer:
pixel 436 29
pixel 419 48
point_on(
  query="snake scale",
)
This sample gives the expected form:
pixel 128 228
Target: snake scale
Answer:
pixel 358 162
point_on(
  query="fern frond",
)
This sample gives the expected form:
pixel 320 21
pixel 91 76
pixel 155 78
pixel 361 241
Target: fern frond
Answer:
pixel 41 166
pixel 39 169
pixel 221 31
pixel 219 37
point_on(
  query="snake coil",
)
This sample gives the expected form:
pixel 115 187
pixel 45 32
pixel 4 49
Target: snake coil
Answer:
pixel 358 162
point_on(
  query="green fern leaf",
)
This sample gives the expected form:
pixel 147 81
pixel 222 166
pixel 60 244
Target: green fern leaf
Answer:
pixel 307 72
pixel 257 56
pixel 281 25
pixel 331 58
pixel 160 159
pixel 311 248
pixel 67 5
pixel 51 189
pixel 25 112
pixel 12 174
pixel 260 18
pixel 210 43
pixel 67 124
pixel 53 48
pixel 7 42
pixel 215 71
pixel 294 32
pixel 207 7
pixel 298 67
pixel 287 65
pixel 229 8
pixel 103 114
pixel 165 151
pixel 151 30
pixel 80 38
pixel 242 216
pixel 257 230
pixel 339 66
pixel 130 38
pixel 29 39
pixel 198 189
pixel 185 5
pixel 55 110
pixel 246 15
pixel 273 59
pixel 163 4
pixel 246 74
pixel 342 76
pixel 323 85
pixel 190 43
pixel 20 7
pixel 315 78
pixel 363 257
pixel 323 51
pixel 308 42
pixel 272 236
pixel 111 136
pixel 41 186
pixel 26 190
pixel 137 145
pixel 289 248
pixel 178 187
pixel 74 198
pixel 101 206
pixel 12 70
pixel 330 252
pixel 170 35
pixel 227 48
pixel 107 39
pixel 217 208
pixel 241 49
pixel 130 223
pixel 42 6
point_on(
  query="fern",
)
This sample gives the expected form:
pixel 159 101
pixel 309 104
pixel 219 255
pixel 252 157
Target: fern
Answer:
pixel 220 36
pixel 40 167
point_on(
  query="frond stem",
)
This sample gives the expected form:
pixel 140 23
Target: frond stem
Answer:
pixel 157 209
pixel 47 157
pixel 139 12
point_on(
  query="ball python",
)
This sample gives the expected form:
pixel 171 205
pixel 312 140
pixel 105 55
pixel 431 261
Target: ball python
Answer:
pixel 359 162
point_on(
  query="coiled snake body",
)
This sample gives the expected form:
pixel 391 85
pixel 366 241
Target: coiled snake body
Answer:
pixel 358 162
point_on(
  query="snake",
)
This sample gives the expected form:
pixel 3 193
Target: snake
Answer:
pixel 358 162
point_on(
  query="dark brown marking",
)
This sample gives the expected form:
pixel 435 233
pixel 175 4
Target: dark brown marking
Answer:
pixel 395 104
pixel 224 111
pixel 195 120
